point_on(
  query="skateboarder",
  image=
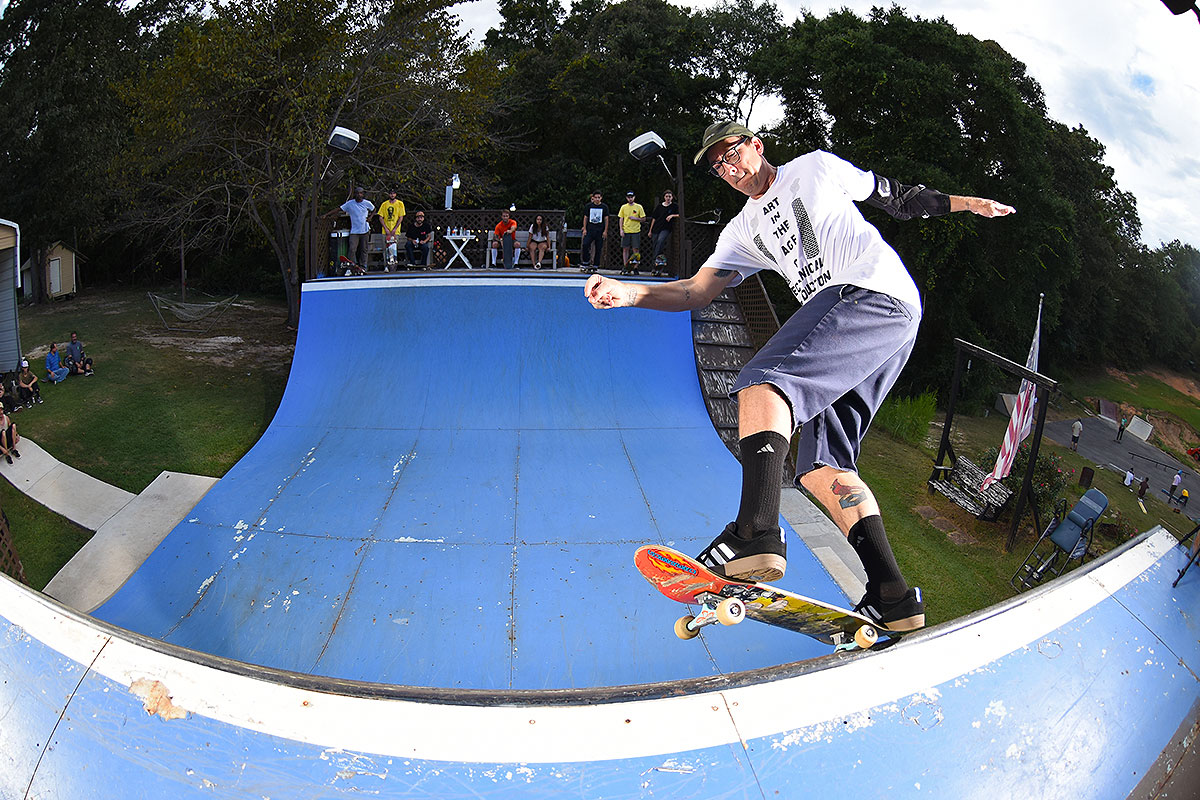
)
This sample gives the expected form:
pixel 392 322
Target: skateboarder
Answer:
pixel 830 365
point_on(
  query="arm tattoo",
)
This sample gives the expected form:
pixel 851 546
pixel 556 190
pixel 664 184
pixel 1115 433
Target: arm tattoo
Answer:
pixel 631 296
pixel 724 273
pixel 848 496
pixel 687 295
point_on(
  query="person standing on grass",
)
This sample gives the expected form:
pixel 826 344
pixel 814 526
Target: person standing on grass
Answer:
pixel 830 365
pixel 9 438
pixel 55 371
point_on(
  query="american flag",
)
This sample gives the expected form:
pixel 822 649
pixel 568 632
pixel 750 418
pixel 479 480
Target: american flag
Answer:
pixel 1021 421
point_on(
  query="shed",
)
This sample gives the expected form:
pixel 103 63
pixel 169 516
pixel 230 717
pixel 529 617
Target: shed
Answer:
pixel 62 270
pixel 10 333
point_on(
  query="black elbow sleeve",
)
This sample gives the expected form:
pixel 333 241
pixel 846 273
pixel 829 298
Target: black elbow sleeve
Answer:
pixel 905 202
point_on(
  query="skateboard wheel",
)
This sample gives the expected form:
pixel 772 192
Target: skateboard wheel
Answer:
pixel 731 611
pixel 682 630
pixel 865 637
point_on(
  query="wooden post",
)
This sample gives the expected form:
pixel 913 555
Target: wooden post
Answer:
pixel 182 272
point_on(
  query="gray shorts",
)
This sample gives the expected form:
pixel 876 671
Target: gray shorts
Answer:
pixel 633 240
pixel 835 360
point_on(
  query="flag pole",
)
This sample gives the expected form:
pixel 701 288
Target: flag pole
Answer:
pixel 1027 491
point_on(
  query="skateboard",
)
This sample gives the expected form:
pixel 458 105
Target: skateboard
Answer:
pixel 1143 506
pixel 635 261
pixel 350 266
pixel 660 265
pixel 728 602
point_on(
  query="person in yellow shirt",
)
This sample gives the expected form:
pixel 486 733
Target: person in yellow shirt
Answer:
pixel 391 217
pixel 632 216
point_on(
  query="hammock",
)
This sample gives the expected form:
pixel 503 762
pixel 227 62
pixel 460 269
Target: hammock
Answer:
pixel 202 315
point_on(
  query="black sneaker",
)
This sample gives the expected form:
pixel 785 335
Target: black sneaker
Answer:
pixel 760 558
pixel 906 614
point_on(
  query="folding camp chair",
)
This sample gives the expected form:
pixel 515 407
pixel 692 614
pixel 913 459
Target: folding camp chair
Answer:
pixel 1064 542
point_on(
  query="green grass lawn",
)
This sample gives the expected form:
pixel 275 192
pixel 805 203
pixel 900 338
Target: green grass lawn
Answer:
pixel 159 400
pixel 1142 391
pixel 958 578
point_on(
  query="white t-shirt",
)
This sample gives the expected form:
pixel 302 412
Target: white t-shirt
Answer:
pixel 358 211
pixel 807 229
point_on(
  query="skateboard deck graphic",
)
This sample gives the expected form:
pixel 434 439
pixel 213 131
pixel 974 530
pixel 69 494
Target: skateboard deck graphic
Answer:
pixel 685 580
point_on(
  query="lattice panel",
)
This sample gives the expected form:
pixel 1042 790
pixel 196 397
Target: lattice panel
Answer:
pixel 10 563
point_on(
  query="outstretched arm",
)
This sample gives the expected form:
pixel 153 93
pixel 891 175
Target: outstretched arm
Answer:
pixel 684 295
pixel 905 202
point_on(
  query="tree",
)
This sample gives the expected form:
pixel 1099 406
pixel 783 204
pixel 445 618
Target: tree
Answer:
pixel 60 118
pixel 915 100
pixel 232 123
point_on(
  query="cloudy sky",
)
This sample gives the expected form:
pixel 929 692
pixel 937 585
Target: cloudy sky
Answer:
pixel 1124 69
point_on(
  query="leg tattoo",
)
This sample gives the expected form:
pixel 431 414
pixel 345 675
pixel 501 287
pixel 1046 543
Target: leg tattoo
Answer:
pixel 848 496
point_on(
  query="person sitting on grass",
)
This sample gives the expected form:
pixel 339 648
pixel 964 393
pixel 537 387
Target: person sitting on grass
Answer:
pixel 77 361
pixel 8 400
pixel 27 386
pixel 9 438
pixel 55 371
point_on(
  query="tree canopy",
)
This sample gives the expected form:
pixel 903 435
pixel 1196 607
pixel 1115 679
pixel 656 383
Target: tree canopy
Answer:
pixel 132 126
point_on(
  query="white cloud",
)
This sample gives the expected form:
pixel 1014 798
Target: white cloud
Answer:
pixel 1124 69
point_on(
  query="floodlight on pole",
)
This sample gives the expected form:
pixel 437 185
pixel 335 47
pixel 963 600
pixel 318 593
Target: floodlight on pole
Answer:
pixel 650 145
pixel 343 140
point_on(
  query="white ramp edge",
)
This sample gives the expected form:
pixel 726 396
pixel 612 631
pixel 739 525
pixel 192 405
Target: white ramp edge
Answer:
pixel 347 716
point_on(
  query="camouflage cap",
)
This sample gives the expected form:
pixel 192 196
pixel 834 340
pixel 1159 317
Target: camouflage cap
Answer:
pixel 719 131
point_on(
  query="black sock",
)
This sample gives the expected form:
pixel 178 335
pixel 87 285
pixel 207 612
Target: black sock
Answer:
pixel 869 540
pixel 763 456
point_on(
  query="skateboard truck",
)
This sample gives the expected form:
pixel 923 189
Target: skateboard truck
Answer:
pixel 713 609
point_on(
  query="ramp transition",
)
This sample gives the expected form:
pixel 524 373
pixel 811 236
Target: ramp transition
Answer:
pixel 417 584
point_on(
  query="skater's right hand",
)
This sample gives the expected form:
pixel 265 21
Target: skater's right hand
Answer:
pixel 604 292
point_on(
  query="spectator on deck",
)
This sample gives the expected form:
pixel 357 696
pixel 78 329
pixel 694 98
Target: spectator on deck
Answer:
pixel 358 208
pixel 662 222
pixel 55 371
pixel 391 219
pixel 77 361
pixel 417 236
pixel 27 386
pixel 504 243
pixel 539 241
pixel 595 231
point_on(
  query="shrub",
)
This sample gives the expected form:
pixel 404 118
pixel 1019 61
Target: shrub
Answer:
pixel 1049 477
pixel 908 418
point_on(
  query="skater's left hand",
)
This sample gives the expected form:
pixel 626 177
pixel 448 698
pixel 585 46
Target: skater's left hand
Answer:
pixel 988 208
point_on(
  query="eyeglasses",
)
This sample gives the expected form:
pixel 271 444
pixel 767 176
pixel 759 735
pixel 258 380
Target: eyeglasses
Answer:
pixel 732 156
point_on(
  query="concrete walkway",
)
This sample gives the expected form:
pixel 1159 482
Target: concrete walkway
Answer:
pixel 128 527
